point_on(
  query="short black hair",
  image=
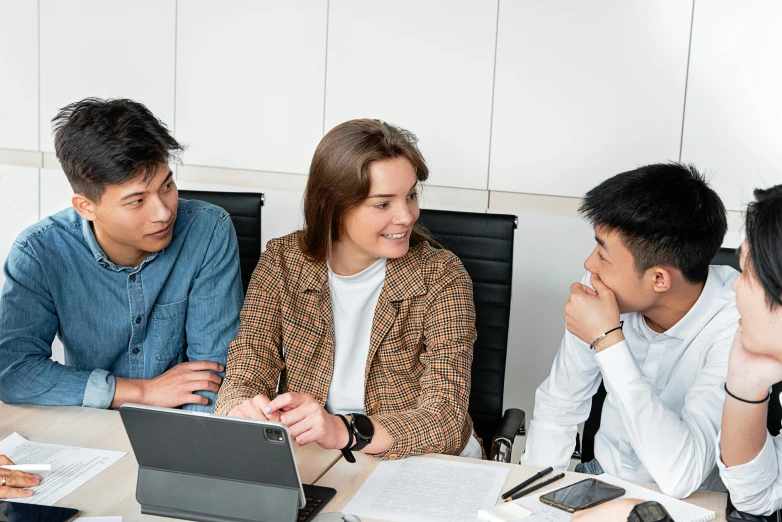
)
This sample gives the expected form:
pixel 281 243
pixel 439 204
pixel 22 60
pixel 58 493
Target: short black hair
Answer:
pixel 764 237
pixel 665 214
pixel 110 142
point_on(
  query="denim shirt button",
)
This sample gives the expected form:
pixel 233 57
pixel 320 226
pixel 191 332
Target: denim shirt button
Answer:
pixel 132 277
pixel 136 351
pixel 138 320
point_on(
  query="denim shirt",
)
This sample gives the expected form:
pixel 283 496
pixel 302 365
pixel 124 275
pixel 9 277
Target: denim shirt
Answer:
pixel 115 321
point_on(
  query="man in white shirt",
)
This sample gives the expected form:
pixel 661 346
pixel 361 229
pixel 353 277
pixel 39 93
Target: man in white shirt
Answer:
pixel 657 229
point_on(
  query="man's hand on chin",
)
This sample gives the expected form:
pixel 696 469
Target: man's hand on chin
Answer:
pixel 591 313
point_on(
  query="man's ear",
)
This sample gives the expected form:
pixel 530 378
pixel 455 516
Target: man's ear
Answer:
pixel 662 279
pixel 84 206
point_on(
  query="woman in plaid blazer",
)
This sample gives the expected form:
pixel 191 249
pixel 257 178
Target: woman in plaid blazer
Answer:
pixel 360 209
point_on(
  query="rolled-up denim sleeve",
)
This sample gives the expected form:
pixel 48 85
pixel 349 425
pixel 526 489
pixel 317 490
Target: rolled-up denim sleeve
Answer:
pixel 214 304
pixel 28 324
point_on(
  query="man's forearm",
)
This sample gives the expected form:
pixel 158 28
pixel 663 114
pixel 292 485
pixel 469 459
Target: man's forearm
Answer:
pixel 743 424
pixel 128 390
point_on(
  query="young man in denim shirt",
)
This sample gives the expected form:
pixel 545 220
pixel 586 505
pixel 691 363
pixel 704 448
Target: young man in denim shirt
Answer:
pixel 131 278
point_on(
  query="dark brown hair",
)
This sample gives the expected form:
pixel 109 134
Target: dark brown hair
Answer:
pixel 110 142
pixel 339 178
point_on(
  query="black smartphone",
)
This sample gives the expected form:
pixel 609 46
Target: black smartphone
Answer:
pixel 16 512
pixel 582 495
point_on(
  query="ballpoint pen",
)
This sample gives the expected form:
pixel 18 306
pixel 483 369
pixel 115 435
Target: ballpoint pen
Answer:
pixel 27 467
pixel 535 487
pixel 527 482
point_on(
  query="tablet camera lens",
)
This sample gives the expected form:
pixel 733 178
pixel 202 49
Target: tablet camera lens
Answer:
pixel 274 435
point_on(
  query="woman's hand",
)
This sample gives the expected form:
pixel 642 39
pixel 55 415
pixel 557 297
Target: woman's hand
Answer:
pixel 253 408
pixel 13 482
pixel 308 421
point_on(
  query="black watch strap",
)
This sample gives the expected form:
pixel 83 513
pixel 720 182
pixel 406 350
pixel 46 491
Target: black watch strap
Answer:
pixel 346 450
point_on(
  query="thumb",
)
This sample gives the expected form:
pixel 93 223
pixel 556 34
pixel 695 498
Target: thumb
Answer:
pixel 600 287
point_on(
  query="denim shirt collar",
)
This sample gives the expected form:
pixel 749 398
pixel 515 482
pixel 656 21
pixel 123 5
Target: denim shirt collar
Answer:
pixel 100 256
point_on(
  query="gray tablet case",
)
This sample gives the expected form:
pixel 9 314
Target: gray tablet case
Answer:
pixel 211 468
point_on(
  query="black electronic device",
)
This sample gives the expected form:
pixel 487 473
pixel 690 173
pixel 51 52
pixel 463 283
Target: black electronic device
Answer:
pixel 582 495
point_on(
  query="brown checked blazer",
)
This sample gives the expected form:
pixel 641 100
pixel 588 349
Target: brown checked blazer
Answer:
pixel 417 376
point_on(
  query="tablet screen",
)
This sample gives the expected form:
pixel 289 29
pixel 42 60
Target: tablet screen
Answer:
pixel 15 512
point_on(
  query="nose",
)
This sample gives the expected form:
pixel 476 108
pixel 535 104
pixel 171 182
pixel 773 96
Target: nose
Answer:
pixel 591 262
pixel 161 214
pixel 404 216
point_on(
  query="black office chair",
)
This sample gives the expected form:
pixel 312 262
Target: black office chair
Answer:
pixel 725 256
pixel 245 211
pixel 484 244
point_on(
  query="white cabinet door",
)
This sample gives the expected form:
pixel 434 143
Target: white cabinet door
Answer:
pixel 107 49
pixel 585 90
pixel 250 82
pixel 18 74
pixel 424 65
pixel 733 119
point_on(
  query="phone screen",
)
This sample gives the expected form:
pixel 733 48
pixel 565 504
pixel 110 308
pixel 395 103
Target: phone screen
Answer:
pixel 585 493
pixel 15 512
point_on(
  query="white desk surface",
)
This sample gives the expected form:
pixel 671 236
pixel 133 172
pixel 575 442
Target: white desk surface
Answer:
pixel 347 478
pixel 113 492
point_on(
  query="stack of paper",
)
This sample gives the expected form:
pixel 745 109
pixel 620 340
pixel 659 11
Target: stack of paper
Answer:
pixel 419 489
pixel 71 466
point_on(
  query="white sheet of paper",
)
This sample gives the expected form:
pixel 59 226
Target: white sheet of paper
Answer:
pixel 97 519
pixel 420 489
pixel 71 466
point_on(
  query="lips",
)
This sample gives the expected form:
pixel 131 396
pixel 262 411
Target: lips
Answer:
pixel 162 232
pixel 395 236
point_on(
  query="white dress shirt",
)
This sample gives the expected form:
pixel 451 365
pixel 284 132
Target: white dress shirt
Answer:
pixel 756 487
pixel 664 406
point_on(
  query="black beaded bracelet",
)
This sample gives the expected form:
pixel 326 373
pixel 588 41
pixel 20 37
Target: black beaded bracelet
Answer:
pixel 761 401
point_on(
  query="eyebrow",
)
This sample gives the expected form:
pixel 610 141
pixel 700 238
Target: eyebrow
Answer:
pixel 601 242
pixel 136 194
pixel 390 195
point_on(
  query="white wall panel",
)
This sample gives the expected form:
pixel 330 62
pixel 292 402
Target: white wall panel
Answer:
pixel 19 187
pixel 109 49
pixel 733 119
pixel 56 192
pixel 426 66
pixel 18 74
pixel 585 90
pixel 250 81
pixel 543 271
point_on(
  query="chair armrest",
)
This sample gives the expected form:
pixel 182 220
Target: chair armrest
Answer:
pixel 502 442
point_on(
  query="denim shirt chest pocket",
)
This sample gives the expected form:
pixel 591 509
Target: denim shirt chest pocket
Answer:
pixel 166 334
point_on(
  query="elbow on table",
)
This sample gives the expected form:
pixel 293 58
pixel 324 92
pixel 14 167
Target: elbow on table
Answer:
pixel 682 488
pixel 759 503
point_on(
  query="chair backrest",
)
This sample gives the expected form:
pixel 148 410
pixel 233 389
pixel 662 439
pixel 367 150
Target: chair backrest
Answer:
pixel 245 211
pixel 484 244
pixel 725 256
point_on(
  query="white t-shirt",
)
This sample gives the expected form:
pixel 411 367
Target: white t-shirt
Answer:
pixel 353 302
